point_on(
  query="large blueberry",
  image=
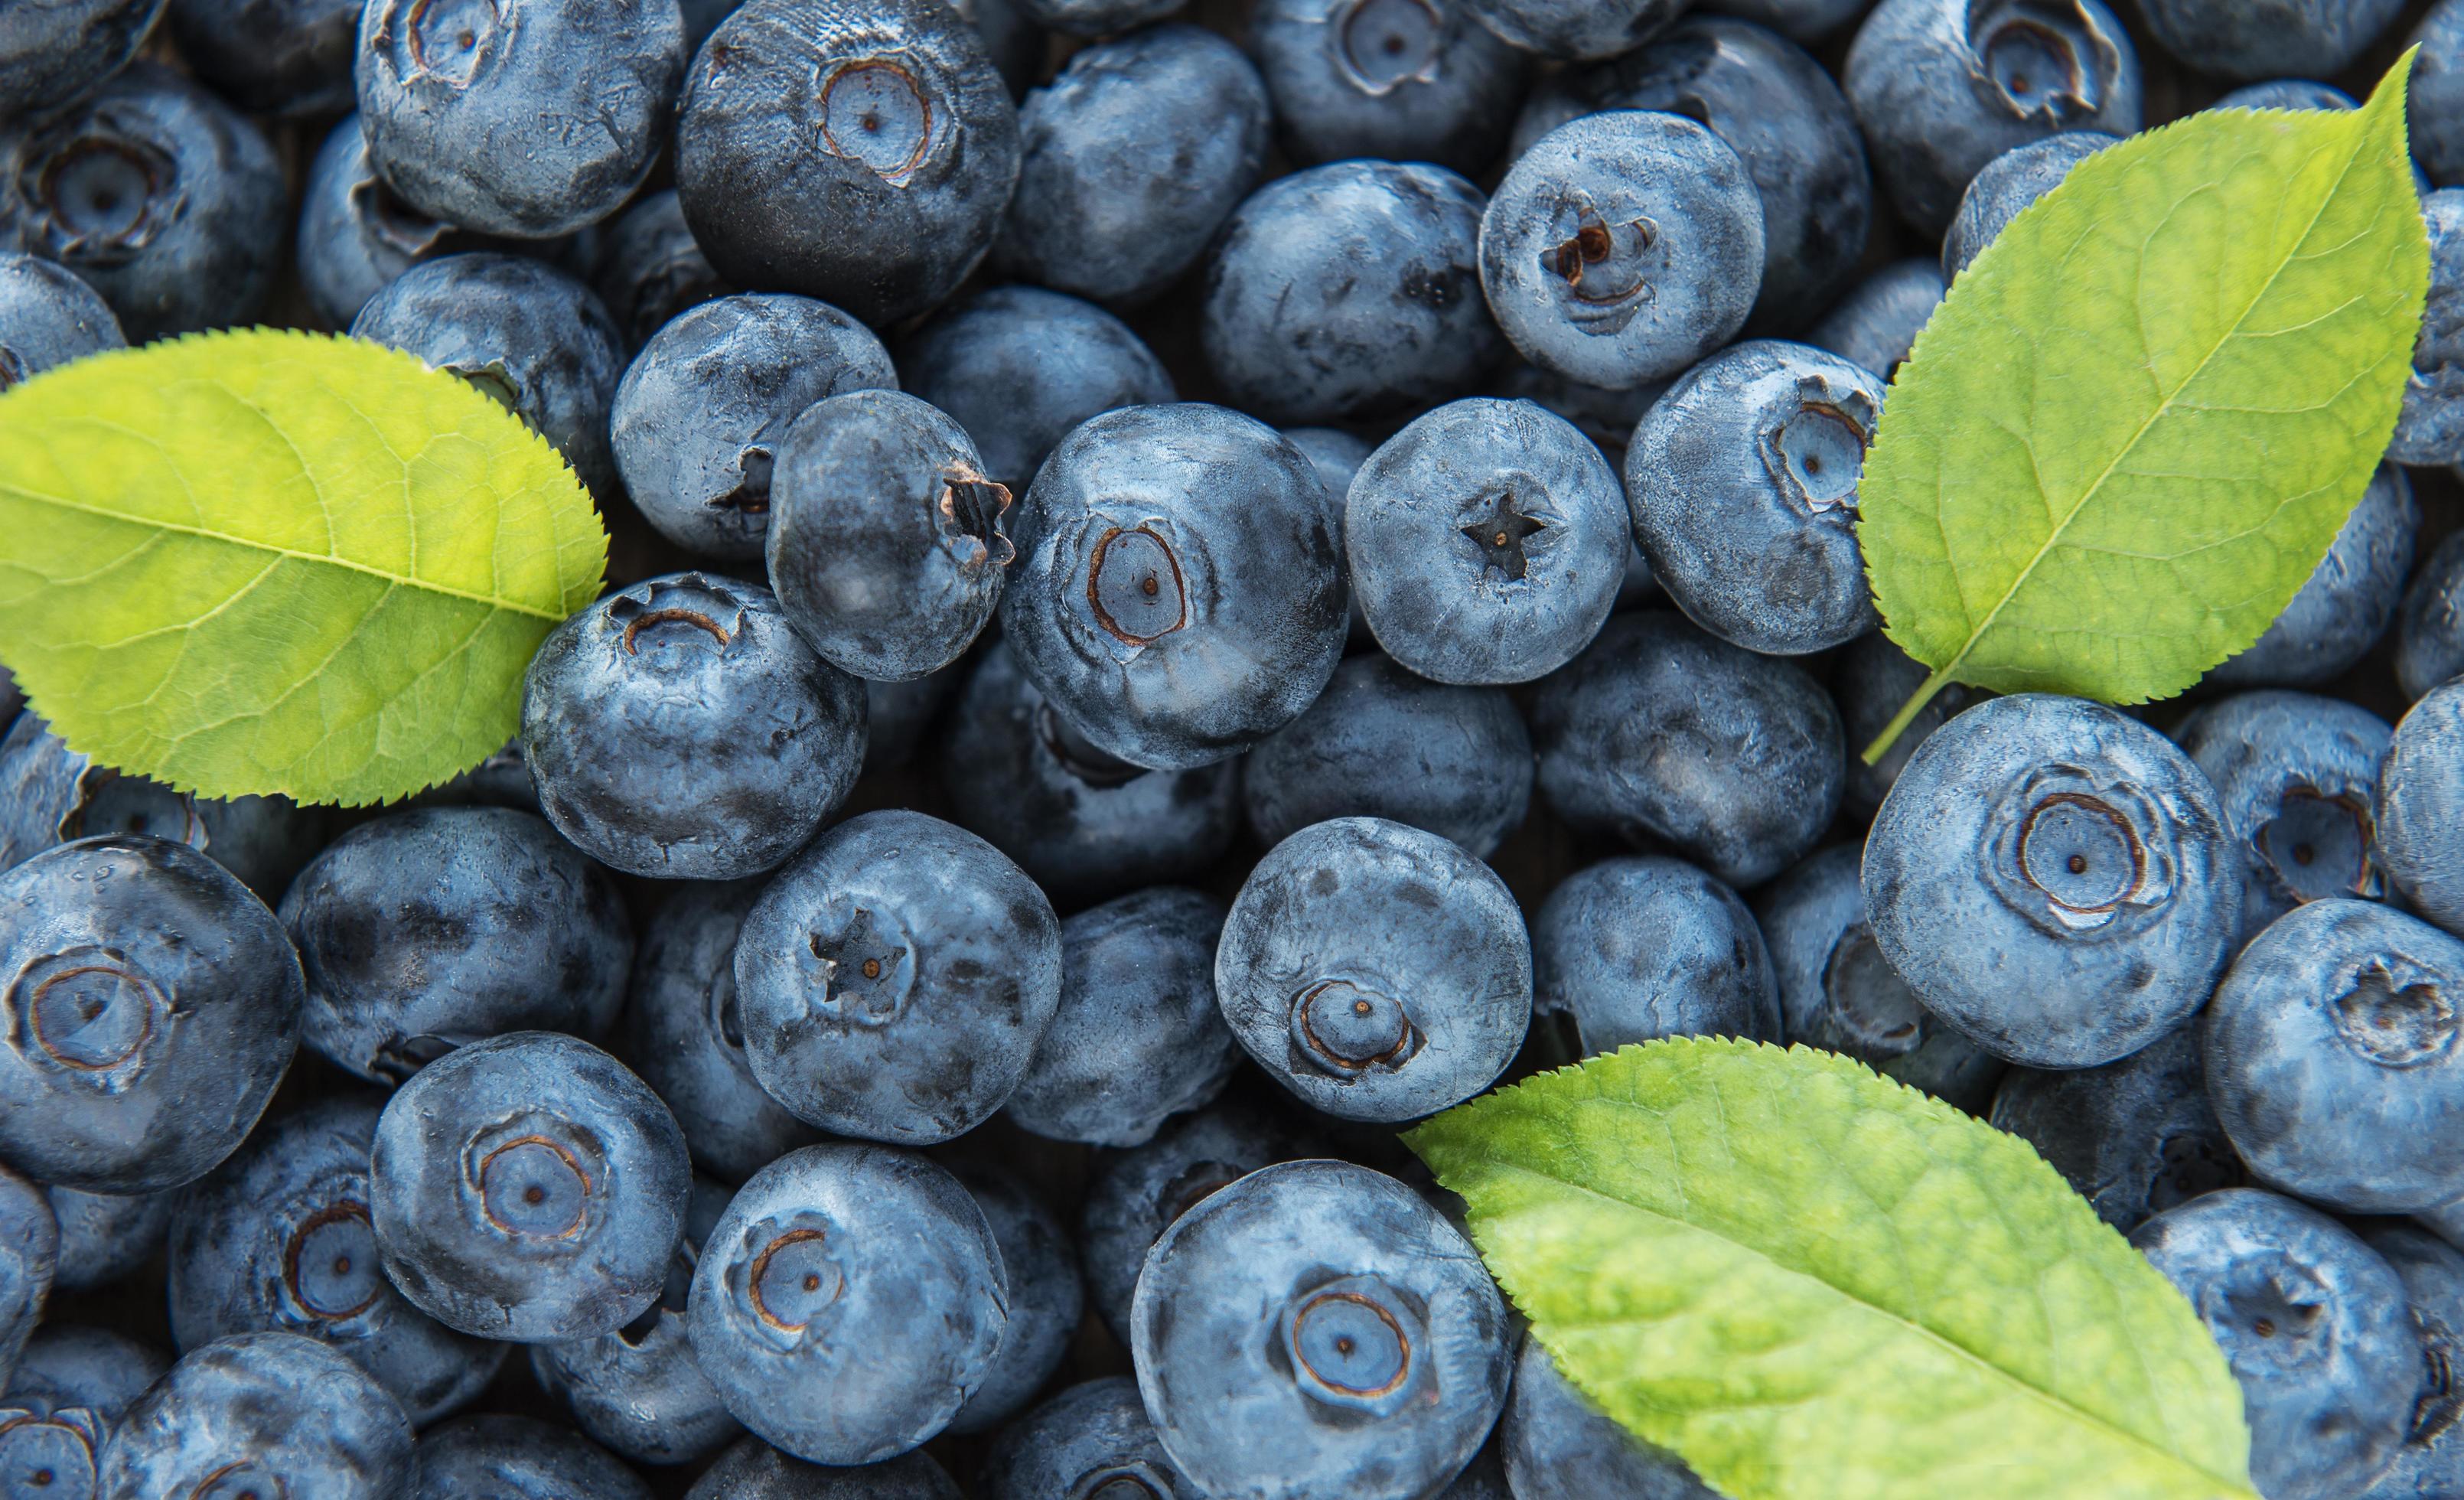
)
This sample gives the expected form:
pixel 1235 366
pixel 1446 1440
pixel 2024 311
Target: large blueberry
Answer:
pixel 1871 680
pixel 2421 807
pixel 1046 1295
pixel 2134 1136
pixel 1405 79
pixel 1092 1440
pixel 2348 602
pixel 272 1414
pixel 755 1470
pixel 2297 777
pixel 1643 947
pixel 1874 324
pixel 2429 636
pixel 290 58
pixel 68 1391
pixel 54 52
pixel 355 233
pixel 2008 186
pixel 1558 1445
pixel 2259 38
pixel 48 316
pixel 2431 1462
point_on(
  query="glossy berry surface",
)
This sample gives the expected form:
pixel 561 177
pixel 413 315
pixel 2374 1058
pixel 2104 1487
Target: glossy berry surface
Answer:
pixel 48 316
pixel 107 1237
pixel 58 1408
pixel 29 1243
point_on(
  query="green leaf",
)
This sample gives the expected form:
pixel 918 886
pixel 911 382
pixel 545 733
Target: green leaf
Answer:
pixel 269 562
pixel 2134 426
pixel 1808 1280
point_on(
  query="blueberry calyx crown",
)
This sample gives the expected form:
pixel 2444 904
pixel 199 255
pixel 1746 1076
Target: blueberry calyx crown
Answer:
pixel 1503 536
pixel 104 191
pixel 974 508
pixel 2045 60
pixel 44 1448
pixel 1343 1028
pixel 329 1264
pixel 684 610
pixel 87 1013
pixel 1817 453
pixel 1381 45
pixel 1602 262
pixel 1133 1480
pixel 2318 845
pixel 865 963
pixel 2075 852
pixel 1870 1014
pixel 2396 1013
pixel 1353 1341
pixel 1135 586
pixel 448 40
pixel 538 1179
pixel 876 112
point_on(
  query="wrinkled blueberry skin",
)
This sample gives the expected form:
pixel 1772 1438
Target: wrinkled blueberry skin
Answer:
pixel 1643 947
pixel 1083 822
pixel 889 543
pixel 1018 366
pixel 185 998
pixel 1349 290
pixel 1660 733
pixel 2263 38
pixel 1382 743
pixel 893 978
pixel 2421 807
pixel 1876 322
pixel 278 1239
pixel 1743 483
pixel 2348 599
pixel 1129 160
pixel 2434 102
pixel 29 1243
pixel 106 1237
pixel 69 1388
pixel 355 233
pixel 464 1147
pixel 1580 31
pixel 1138 1194
pixel 2313 1322
pixel 472 110
pixel 755 1470
pixel 702 413
pixel 683 728
pixel 1560 1446
pixel 2004 186
pixel 2297 777
pixel 524 332
pixel 653 269
pixel 2429 429
pixel 2134 1136
pixel 277 1408
pixel 1403 79
pixel 1571 262
pixel 2075 945
pixel 1046 1295
pixel 1941 87
pixel 2430 634
pixel 888 221
pixel 1178 593
pixel 48 316
pixel 518 1458
pixel 1487 542
pixel 1783 116
pixel 1837 992
pixel 178 211
pixel 1090 1436
pixel 1871 679
pixel 1377 972
pixel 685 1034
pixel 1138 1037
pixel 425 930
pixel 1267 1314
pixel 288 57
pixel 56 49
pixel 2331 1057
pixel 2431 1462
pixel 849 1301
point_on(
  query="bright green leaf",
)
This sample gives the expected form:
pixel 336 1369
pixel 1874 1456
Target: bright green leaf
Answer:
pixel 1812 1283
pixel 271 561
pixel 2136 423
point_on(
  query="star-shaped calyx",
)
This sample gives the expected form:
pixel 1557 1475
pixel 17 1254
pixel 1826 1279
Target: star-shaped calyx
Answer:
pixel 1501 535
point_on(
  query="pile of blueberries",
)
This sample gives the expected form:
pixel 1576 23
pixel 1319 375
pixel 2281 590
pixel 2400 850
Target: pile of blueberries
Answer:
pixel 935 987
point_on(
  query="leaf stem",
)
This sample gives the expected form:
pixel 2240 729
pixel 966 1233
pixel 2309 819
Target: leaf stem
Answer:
pixel 1906 714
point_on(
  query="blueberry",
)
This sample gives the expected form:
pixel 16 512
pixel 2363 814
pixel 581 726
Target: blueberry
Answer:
pixel 1743 480
pixel 422 931
pixel 106 1237
pixel 1046 1295
pixel 472 107
pixel 110 941
pixel 1317 1329
pixel 1404 79
pixel 860 156
pixel 272 1414
pixel 29 1243
pixel 2055 880
pixel 2286 93
pixel 2429 635
pixel 2421 807
pixel 755 1470
pixel 166 200
pixel 1178 594
pixel 652 268
pixel 1377 972
pixel 2348 601
pixel 1336 454
pixel 518 1458
pixel 890 542
pixel 699 417
pixel 1092 1440
pixel 2431 1462
pixel 2134 1136
pixel 69 1390
pixel 1018 366
pixel 1560 1446
pixel 1659 732
pixel 1801 21
pixel 288 57
pixel 2313 1322
pixel 1130 159
pixel 355 233
pixel 1349 290
pixel 2435 104
pixel 1876 322
pixel 522 332
pixel 1083 822
pixel 1487 542
pixel 1576 30
pixel 1871 679
pixel 1838 992
pixel 893 978
pixel 2006 186
pixel 2430 429
pixel 1633 949
pixel 1382 743
pixel 1092 18
pixel 2296 776
pixel 1941 87
pixel 48 316
pixel 1607 417
pixel 900 713
pixel 528 1189
pixel 849 1303
pixel 1779 111
pixel 2256 38
pixel 52 53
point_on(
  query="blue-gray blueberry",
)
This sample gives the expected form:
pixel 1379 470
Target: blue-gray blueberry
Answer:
pixel 1405 79
pixel 51 53
pixel 1641 947
pixel 276 1414
pixel 48 316
pixel 518 1458
pixel 288 58
pixel 2134 1136
pixel 1876 324
pixel 2006 186
pixel 651 268
pixel 2429 427
pixel 2348 601
pixel 2420 842
pixel 2298 780
pixel 69 1389
pixel 2430 631
pixel 1092 1439
pixel 1046 1295
pixel 1558 1446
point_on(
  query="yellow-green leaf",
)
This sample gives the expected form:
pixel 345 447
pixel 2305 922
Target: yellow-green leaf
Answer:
pixel 268 561
pixel 1812 1283
pixel 2134 426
